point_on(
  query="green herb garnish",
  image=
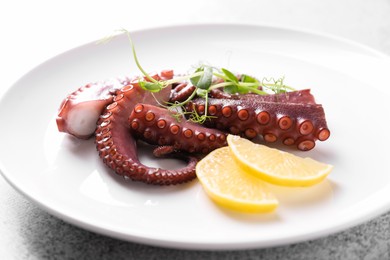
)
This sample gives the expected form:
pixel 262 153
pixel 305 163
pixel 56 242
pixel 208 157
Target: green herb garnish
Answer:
pixel 205 78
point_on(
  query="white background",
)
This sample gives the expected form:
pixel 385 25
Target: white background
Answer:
pixel 34 31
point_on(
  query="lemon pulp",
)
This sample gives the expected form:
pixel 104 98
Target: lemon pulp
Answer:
pixel 230 186
pixel 276 166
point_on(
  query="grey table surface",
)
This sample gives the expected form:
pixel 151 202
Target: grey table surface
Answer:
pixel 28 232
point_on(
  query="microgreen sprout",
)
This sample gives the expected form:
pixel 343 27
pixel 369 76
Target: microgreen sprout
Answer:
pixel 205 78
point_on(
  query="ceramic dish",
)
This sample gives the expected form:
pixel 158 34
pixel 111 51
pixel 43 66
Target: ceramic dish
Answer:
pixel 65 176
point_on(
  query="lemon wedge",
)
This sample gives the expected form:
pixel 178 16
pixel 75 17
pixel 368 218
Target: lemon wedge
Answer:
pixel 276 166
pixel 230 186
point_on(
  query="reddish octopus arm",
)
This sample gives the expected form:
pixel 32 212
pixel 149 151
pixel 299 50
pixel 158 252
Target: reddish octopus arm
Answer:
pixel 117 146
pixel 80 110
pixel 157 126
pixel 292 123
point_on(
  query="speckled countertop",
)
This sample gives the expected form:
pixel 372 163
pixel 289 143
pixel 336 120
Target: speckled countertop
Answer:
pixel 33 31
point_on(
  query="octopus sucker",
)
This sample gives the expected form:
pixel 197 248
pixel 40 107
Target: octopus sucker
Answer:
pixel 174 129
pixel 226 111
pixel 305 145
pixel 306 127
pixel 285 122
pixel 288 141
pixel 200 136
pixel 323 134
pixel 161 123
pixel 212 110
pixel 243 114
pixel 187 133
pixel 263 117
pixel 250 133
pixel 270 137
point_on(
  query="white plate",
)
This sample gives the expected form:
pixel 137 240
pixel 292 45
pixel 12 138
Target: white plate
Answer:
pixel 65 176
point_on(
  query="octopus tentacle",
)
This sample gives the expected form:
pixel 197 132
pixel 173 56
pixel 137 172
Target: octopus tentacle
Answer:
pixel 157 126
pixel 181 92
pixel 161 151
pixel 291 122
pixel 300 96
pixel 80 110
pixel 118 149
